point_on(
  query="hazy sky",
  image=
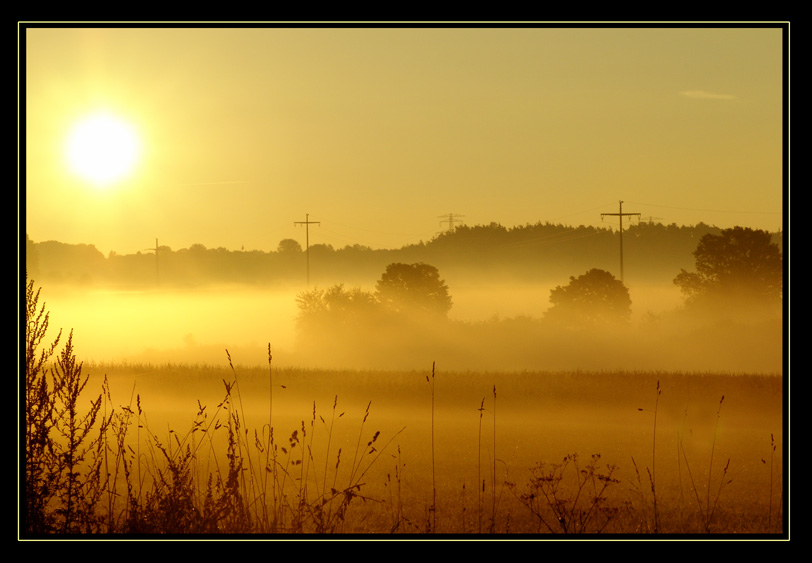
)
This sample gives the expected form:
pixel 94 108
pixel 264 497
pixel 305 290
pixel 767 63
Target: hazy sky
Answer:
pixel 376 133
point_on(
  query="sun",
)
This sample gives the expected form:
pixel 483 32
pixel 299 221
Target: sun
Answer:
pixel 103 149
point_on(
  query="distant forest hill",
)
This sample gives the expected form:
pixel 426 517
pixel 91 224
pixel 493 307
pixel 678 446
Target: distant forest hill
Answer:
pixel 652 253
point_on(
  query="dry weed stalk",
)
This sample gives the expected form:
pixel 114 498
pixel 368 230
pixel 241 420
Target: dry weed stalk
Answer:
pixel 710 505
pixel 568 499
pixel 431 520
pixel 493 469
pixel 770 499
pixel 63 459
pixel 652 472
pixel 479 481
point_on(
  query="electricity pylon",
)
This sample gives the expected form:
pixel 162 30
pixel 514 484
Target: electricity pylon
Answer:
pixel 452 218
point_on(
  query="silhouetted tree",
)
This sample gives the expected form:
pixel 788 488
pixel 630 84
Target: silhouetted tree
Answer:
pixel 415 288
pixel 336 323
pixel 738 265
pixel 334 308
pixel 289 245
pixel 31 257
pixel 592 299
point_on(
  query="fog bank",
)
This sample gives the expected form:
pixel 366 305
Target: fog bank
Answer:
pixel 489 327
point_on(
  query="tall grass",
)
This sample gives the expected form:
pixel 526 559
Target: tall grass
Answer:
pixel 432 516
pixel 92 467
pixel 87 470
pixel 711 501
pixel 652 473
pixel 772 478
pixel 480 483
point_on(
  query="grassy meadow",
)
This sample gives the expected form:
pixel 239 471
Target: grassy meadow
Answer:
pixel 431 452
pixel 231 441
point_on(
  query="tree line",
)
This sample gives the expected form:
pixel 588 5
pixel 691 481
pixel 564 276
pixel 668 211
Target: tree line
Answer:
pixel 652 252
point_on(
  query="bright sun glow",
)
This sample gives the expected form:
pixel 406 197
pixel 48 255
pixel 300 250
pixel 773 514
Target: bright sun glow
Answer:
pixel 102 149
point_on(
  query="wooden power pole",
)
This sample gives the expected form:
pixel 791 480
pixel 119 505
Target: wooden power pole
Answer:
pixel 157 270
pixel 307 222
pixel 621 215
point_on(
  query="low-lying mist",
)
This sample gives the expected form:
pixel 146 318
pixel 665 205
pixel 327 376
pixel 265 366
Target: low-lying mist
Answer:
pixel 489 327
pixel 175 325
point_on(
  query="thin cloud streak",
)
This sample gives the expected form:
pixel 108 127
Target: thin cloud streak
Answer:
pixel 215 183
pixel 702 95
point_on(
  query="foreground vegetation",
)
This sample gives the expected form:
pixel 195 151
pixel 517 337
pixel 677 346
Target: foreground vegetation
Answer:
pixel 415 453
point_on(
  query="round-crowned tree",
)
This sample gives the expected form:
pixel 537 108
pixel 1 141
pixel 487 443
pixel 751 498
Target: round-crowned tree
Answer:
pixel 413 288
pixel 595 298
pixel 289 246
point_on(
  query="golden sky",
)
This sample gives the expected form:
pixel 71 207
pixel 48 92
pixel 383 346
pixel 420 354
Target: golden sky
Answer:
pixel 378 132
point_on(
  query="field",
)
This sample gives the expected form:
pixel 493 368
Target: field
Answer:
pixel 454 453
pixel 180 445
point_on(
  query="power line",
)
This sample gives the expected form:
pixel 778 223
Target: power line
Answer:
pixel 734 212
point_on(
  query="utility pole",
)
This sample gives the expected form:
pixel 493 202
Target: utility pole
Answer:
pixel 157 277
pixel 307 222
pixel 621 215
pixel 452 218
